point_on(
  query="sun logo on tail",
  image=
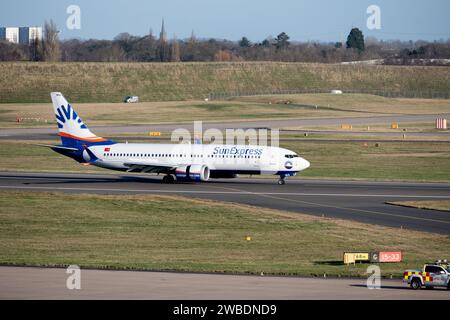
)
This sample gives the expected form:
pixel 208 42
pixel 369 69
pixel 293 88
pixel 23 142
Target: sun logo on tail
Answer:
pixel 66 114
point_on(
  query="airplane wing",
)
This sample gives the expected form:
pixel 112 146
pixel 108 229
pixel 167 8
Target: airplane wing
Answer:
pixel 148 166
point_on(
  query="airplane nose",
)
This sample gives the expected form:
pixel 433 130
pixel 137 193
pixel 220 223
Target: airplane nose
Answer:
pixel 304 164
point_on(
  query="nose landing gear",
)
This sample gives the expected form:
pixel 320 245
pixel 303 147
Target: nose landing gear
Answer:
pixel 282 180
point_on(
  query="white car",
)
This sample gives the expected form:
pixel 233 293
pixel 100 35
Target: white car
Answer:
pixel 131 99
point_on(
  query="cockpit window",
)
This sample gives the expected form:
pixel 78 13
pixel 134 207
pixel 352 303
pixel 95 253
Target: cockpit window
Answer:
pixel 290 156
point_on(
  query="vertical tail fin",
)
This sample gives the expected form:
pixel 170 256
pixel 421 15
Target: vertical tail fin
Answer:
pixel 72 130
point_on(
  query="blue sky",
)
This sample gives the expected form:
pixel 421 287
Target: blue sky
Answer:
pixel 231 19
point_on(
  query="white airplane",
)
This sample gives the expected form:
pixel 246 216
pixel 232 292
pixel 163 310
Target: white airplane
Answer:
pixel 178 162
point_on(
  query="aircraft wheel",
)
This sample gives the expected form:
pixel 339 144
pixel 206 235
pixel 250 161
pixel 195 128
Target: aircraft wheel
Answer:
pixel 168 179
pixel 281 182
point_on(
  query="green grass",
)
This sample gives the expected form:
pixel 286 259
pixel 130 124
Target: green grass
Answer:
pixel 441 205
pixel 413 161
pixel 242 109
pixel 111 82
pixel 156 112
pixel 175 233
pixel 213 107
pixel 356 103
pixel 24 156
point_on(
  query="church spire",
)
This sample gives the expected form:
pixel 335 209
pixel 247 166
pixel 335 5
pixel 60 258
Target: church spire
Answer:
pixel 163 35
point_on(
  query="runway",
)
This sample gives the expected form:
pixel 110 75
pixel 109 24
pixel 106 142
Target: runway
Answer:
pixel 351 200
pixel 42 283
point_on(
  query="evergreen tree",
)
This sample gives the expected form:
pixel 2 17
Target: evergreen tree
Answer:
pixel 282 41
pixel 355 40
pixel 244 42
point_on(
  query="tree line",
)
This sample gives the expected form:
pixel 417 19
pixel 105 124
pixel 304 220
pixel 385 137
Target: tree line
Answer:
pixel 126 47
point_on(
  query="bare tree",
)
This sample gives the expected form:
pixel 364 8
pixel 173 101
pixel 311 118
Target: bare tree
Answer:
pixel 174 51
pixel 51 48
pixel 10 52
pixel 35 50
pixel 222 55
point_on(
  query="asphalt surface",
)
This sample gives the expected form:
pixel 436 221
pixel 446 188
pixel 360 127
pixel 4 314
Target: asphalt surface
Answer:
pixel 42 283
pixel 352 200
pixel 49 133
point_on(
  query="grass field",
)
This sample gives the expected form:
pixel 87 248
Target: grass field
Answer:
pixel 158 112
pixel 418 161
pixel 441 205
pixel 415 161
pixel 244 108
pixel 356 103
pixel 175 233
pixel 111 82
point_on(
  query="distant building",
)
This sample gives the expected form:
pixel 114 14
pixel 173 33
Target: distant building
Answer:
pixel 29 34
pixel 11 34
pixel 162 34
pixel 22 35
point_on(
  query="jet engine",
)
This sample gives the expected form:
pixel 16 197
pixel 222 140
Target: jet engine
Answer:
pixel 193 172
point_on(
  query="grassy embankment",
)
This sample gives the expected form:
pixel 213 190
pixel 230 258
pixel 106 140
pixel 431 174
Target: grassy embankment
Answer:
pixel 175 233
pixel 110 82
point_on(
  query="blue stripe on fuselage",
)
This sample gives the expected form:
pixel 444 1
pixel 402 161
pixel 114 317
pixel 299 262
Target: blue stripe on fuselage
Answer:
pixel 286 173
pixel 75 143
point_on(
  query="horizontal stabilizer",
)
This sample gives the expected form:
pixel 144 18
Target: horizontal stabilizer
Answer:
pixel 56 147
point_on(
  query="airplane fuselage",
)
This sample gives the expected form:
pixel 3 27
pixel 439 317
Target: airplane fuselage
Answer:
pixel 232 159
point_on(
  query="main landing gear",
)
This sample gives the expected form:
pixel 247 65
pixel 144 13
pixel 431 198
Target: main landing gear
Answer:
pixel 168 179
pixel 282 180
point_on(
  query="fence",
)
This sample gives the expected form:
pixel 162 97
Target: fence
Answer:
pixel 426 94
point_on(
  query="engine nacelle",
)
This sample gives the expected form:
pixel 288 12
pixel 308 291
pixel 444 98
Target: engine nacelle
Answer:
pixel 193 172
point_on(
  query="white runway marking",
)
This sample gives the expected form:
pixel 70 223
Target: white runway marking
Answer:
pixel 229 192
